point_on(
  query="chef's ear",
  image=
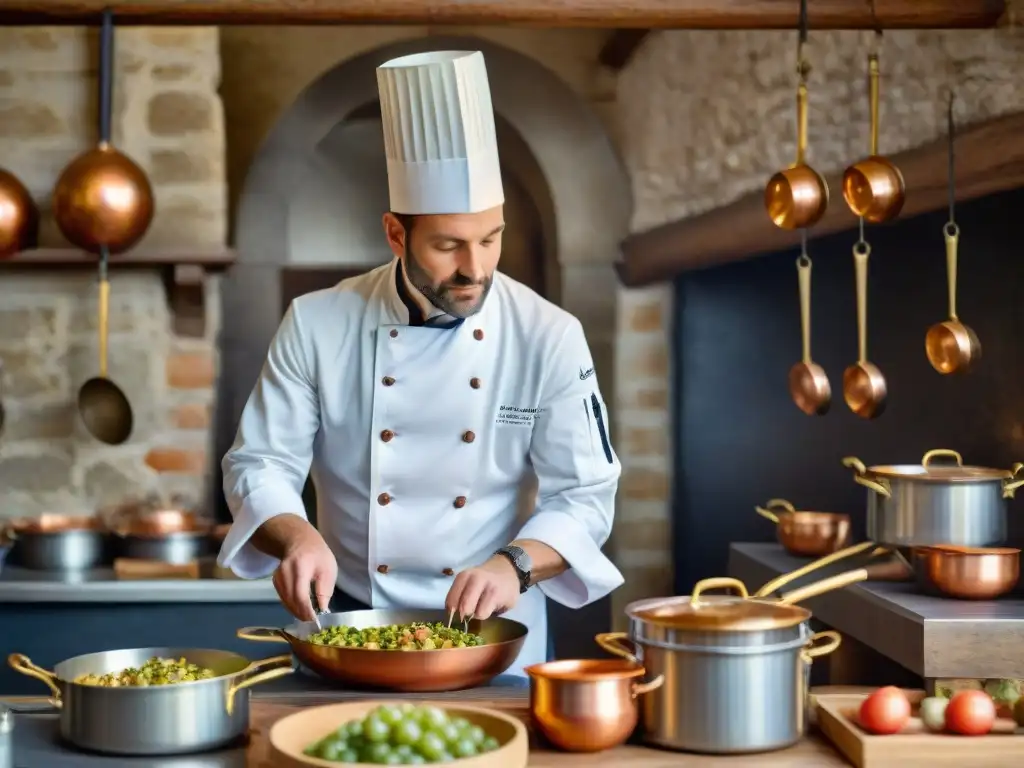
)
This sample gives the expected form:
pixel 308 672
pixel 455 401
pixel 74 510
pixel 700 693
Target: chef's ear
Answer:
pixel 396 233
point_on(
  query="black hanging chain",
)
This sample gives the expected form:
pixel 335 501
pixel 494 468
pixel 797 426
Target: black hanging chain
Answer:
pixel 803 68
pixel 951 140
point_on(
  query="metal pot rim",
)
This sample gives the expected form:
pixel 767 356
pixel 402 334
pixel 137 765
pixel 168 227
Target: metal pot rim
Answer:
pixel 943 474
pixel 250 664
pixel 727 614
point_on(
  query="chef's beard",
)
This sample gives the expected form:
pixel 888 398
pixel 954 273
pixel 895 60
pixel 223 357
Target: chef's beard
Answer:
pixel 440 295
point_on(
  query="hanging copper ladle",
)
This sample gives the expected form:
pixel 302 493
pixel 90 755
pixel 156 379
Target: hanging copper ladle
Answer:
pixel 874 188
pixel 808 382
pixel 951 346
pixel 864 387
pixel 797 197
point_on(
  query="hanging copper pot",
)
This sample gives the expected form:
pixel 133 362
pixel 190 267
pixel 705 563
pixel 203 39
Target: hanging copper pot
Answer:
pixel 103 198
pixel 19 217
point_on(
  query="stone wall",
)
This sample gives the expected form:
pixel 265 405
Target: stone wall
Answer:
pixel 168 117
pixel 707 117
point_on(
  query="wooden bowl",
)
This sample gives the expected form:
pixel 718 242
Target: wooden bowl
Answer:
pixel 291 735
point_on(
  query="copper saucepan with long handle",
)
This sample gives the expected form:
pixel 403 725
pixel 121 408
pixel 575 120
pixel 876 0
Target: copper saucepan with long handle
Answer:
pixel 803 533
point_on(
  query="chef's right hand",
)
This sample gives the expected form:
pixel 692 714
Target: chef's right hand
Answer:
pixel 307 560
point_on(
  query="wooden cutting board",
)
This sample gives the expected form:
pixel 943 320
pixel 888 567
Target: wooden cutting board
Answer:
pixel 837 714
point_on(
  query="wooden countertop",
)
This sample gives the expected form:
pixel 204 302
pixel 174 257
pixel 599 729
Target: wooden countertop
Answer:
pixel 812 751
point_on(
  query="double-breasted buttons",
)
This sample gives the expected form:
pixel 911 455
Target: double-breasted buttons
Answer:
pixel 384 499
pixel 387 381
pixel 474 383
pixel 448 572
pixel 382 569
pixel 394 333
pixel 478 335
pixel 386 435
pixel 460 502
pixel 468 437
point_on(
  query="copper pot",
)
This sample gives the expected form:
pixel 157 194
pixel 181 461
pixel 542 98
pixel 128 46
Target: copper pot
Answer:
pixel 166 535
pixel 19 217
pixel 57 542
pixel 967 573
pixel 586 705
pixel 806 534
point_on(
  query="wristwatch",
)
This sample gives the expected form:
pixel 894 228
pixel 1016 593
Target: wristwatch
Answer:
pixel 520 561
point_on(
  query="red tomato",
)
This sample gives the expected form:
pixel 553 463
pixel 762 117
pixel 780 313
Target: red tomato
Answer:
pixel 885 711
pixel 970 713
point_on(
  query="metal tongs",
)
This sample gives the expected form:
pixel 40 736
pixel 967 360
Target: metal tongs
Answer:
pixel 314 601
pixel 465 621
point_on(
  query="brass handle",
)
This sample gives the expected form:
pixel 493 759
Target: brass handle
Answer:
pixel 784 579
pixel 639 689
pixel 838 581
pixel 861 252
pixel 951 232
pixel 801 123
pixel 842 532
pixel 719 582
pixel 873 78
pixel 803 267
pixel 612 642
pixel 258 677
pixel 260 635
pixel 812 650
pixel 1011 484
pixel 881 487
pixel 766 510
pixel 23 664
pixel 103 323
pixel 936 452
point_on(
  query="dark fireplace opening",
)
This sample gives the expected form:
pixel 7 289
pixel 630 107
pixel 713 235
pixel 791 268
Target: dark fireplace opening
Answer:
pixel 741 440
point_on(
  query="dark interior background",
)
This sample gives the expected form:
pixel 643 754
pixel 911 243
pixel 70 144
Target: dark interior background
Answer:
pixel 741 440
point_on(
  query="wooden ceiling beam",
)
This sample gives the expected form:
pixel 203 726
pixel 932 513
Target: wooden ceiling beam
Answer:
pixel 620 46
pixel 989 159
pixel 614 14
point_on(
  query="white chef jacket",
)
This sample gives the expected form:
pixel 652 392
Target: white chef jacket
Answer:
pixel 417 439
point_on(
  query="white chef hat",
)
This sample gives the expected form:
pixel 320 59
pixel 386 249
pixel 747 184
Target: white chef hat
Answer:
pixel 439 137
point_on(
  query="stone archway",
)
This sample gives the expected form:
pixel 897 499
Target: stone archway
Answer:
pixel 571 160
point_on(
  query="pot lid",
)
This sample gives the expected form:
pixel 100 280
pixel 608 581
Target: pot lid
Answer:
pixel 952 470
pixel 717 613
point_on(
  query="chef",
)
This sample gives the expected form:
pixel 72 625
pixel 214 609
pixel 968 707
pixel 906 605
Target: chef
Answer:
pixel 419 396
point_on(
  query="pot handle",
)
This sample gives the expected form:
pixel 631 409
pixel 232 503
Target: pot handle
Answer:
pixel 838 581
pixel 813 650
pixel 612 642
pixel 947 452
pixel 1013 482
pixel 881 487
pixel 259 677
pixel 260 635
pixel 23 664
pixel 639 689
pixel 785 578
pixel 780 504
pixel 719 582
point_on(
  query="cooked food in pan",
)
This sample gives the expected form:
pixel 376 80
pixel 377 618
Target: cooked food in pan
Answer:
pixel 404 735
pixel 397 637
pixel 156 671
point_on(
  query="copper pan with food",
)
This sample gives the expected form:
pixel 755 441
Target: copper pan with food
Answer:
pixel 400 650
pixel 806 534
pixel 736 669
pixel 153 701
pixel 915 505
pixel 57 542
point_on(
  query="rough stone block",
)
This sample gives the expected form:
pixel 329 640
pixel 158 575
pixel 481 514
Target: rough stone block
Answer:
pixel 645 484
pixel 44 473
pixel 644 441
pixel 189 461
pixel 18 324
pixel 175 166
pixel 55 421
pixel 179 113
pixel 113 480
pixel 640 536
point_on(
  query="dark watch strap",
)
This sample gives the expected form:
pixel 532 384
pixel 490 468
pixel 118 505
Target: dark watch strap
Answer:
pixel 521 562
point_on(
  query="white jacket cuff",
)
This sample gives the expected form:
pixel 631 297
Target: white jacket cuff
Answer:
pixel 590 576
pixel 237 551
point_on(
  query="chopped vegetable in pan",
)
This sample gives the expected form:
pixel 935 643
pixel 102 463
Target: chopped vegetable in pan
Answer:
pixel 156 671
pixel 404 735
pixel 397 637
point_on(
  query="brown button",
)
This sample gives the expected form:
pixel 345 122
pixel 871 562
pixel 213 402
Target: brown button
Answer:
pixel 468 437
pixel 474 383
pixel 478 334
pixel 387 381
pixel 384 499
pixel 460 502
pixel 382 569
pixel 448 572
pixel 394 333
pixel 386 435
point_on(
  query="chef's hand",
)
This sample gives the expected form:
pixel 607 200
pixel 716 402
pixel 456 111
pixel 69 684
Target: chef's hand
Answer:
pixel 484 591
pixel 307 560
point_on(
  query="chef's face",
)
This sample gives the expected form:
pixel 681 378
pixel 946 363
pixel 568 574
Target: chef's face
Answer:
pixel 450 259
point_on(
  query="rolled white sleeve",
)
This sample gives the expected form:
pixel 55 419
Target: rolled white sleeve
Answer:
pixel 266 468
pixel 578 474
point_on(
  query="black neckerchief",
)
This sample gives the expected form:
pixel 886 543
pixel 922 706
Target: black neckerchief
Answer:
pixel 416 317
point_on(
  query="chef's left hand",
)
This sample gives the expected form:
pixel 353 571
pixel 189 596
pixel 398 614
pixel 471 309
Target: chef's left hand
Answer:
pixel 484 591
